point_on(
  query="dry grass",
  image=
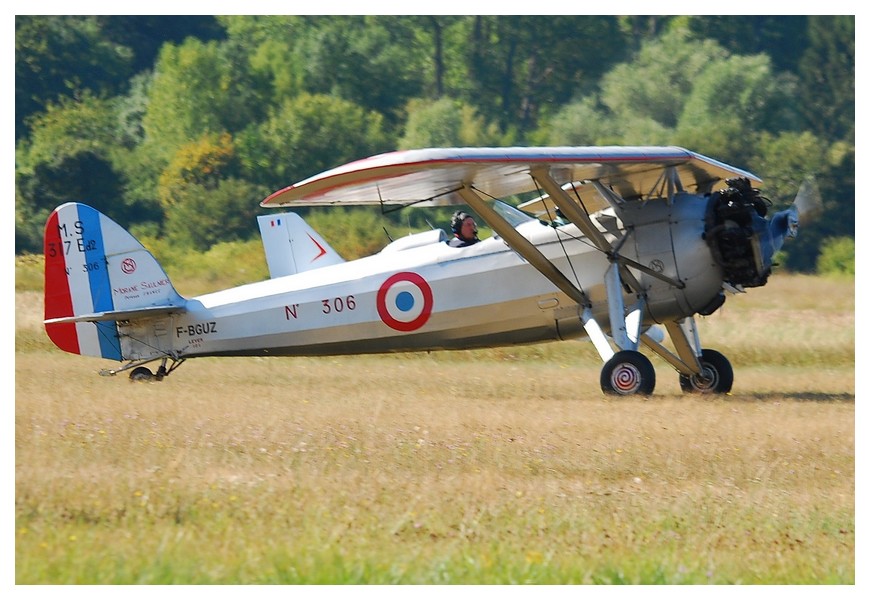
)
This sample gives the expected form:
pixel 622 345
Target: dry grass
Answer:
pixel 495 466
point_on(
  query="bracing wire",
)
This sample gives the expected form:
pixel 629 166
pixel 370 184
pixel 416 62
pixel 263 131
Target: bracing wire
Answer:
pixel 551 218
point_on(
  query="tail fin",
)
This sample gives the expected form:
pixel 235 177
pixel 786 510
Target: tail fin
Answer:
pixel 96 274
pixel 292 246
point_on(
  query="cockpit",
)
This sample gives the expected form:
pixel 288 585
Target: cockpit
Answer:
pixel 512 215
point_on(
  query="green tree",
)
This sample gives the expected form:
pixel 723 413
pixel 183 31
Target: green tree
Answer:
pixel 364 60
pixel 433 34
pixel 657 83
pixel 784 161
pixel 827 70
pixel 295 95
pixel 446 122
pixel 251 31
pixel 520 66
pixel 837 256
pixel 203 216
pixel 199 88
pixel 633 129
pixel 143 35
pixel 69 157
pixel 29 224
pixel 638 29
pixel 271 46
pixel 204 163
pixel 583 122
pixel 731 102
pixel 640 101
pixel 308 134
pixel 60 57
pixel 783 38
pixel 140 165
pixel 353 232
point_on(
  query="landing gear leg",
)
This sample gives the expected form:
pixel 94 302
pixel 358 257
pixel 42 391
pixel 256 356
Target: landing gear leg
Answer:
pixel 138 372
pixel 627 372
pixel 702 371
pixel 161 371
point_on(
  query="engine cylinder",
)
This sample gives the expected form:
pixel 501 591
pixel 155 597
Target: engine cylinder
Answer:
pixel 735 230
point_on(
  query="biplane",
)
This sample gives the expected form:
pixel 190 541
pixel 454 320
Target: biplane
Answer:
pixel 622 246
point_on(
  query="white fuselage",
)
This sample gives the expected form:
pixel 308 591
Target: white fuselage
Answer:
pixel 437 297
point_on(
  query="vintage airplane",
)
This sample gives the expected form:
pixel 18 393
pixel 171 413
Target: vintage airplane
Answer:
pixel 617 241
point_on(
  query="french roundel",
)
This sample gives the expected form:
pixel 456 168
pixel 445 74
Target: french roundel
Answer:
pixel 405 301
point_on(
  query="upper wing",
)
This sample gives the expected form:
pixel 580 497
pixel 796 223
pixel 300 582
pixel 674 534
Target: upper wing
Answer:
pixel 435 175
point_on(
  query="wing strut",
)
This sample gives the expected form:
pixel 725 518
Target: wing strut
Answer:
pixel 668 184
pixel 577 216
pixel 521 245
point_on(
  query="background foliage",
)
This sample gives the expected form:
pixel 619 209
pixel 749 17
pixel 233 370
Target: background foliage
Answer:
pixel 178 126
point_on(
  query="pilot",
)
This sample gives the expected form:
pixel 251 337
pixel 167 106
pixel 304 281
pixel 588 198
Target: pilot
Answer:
pixel 464 230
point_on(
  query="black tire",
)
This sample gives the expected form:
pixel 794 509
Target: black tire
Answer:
pixel 141 374
pixel 718 376
pixel 628 373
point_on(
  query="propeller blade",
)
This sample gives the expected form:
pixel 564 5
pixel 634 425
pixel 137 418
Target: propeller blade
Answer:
pixel 808 201
pixel 806 206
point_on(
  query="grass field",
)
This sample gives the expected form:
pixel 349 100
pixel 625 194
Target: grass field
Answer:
pixel 495 466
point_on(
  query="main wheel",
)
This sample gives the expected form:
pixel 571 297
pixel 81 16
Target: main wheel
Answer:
pixel 716 377
pixel 141 374
pixel 628 372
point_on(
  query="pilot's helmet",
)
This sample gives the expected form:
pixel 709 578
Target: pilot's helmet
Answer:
pixel 456 221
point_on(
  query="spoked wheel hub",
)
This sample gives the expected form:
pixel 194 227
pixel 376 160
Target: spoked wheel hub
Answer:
pixel 716 376
pixel 628 373
pixel 707 381
pixel 625 378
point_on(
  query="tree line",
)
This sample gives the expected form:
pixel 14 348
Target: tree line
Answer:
pixel 178 126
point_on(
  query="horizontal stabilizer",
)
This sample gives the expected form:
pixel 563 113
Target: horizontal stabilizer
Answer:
pixel 119 315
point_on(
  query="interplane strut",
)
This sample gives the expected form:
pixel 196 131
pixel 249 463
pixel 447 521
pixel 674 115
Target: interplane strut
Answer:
pixel 522 246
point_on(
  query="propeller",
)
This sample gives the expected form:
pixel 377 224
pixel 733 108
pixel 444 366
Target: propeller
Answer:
pixel 808 200
pixel 806 207
pixel 743 239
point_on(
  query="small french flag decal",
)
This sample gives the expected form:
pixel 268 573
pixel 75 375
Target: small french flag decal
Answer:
pixel 275 222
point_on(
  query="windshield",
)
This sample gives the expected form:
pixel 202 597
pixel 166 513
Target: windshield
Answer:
pixel 512 215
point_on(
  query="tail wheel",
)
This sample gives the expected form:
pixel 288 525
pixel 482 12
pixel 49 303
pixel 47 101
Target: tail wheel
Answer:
pixel 141 374
pixel 628 373
pixel 716 376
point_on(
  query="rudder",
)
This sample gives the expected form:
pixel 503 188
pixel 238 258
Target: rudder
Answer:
pixel 94 267
pixel 292 246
